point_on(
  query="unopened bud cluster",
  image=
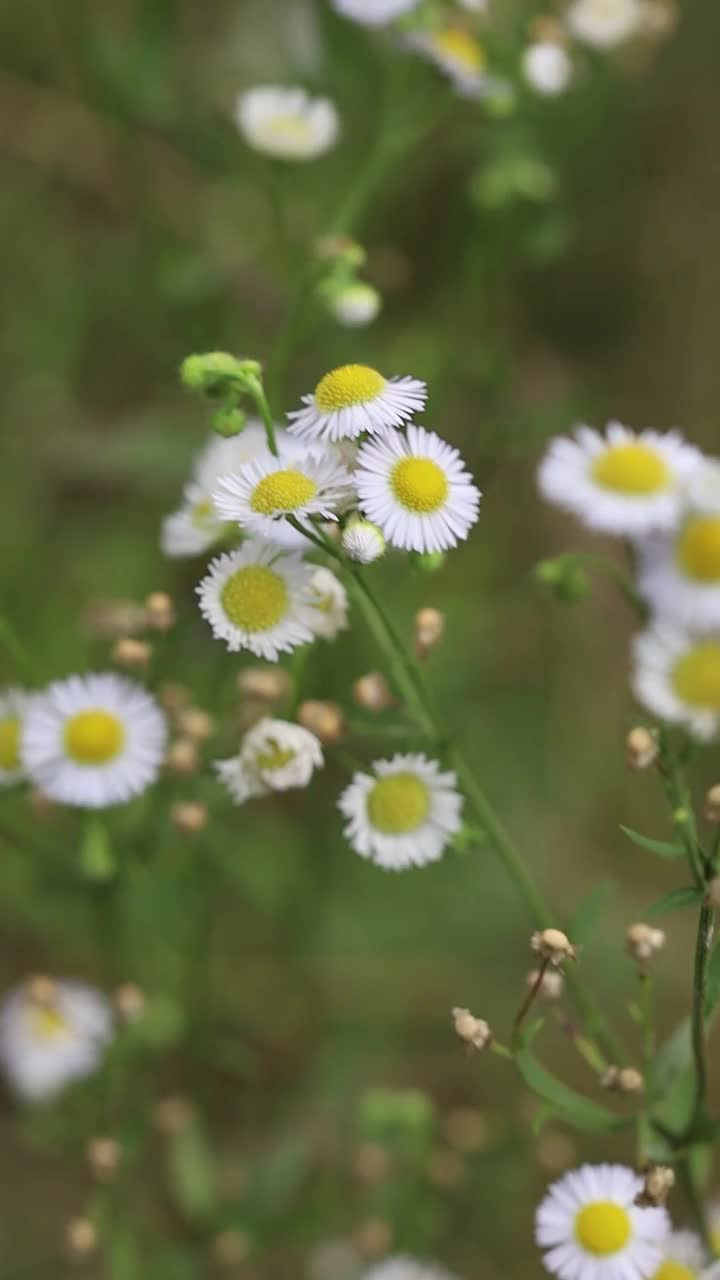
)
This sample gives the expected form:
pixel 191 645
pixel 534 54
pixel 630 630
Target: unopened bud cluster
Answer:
pixel 623 1080
pixel 554 946
pixel 474 1031
pixel 642 941
pixel 658 1182
pixel 641 748
pixel 549 985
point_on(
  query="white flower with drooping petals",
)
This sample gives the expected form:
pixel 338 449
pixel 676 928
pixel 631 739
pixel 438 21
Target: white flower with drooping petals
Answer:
pixel 52 1033
pixel 93 741
pixel 275 755
pixel 363 541
pixel 258 598
pixel 677 676
pixel 287 123
pixel 13 705
pixel 590 1228
pixel 547 67
pixel 605 23
pixel 356 305
pixel 402 1268
pixel 625 483
pixel 416 489
pixel 455 52
pixel 403 814
pixel 261 495
pixel 330 605
pixel 374 13
pixel 355 399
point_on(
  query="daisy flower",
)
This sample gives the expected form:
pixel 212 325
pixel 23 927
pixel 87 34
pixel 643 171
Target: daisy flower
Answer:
pixel 52 1033
pixel 626 483
pixel 13 705
pixel 329 601
pixel 677 676
pixel 591 1229
pixel 685 1258
pixel 93 741
pixel 354 399
pixel 547 67
pixel 362 541
pixel 260 495
pixel 356 305
pixel 604 23
pixel 679 572
pixel 454 51
pixel 401 1268
pixel 403 814
pixel 258 598
pixel 287 123
pixel 274 756
pixel 374 13
pixel 416 489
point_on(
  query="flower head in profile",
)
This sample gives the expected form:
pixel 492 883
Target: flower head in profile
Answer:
pixel 416 489
pixel 356 304
pixel 677 676
pixel 52 1033
pixel 287 123
pixel 93 741
pixel 455 51
pixel 13 705
pixel 258 598
pixel 403 814
pixel 403 1268
pixel 363 541
pixel 263 494
pixel 275 755
pixel 329 601
pixel 623 482
pixel 589 1225
pixel 374 13
pixel 355 399
pixel 605 23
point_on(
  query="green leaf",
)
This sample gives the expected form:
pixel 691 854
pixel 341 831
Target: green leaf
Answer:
pixel 581 1112
pixel 584 920
pixel 674 1056
pixel 96 859
pixel 662 848
pixel 686 896
pixel 712 993
pixel 192 1170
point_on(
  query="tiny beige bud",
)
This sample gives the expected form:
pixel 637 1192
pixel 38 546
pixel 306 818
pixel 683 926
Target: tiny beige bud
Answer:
pixel 643 941
pixel 189 816
pixel 111 619
pixel 231 1248
pixel 267 684
pixel 103 1156
pixel 659 1181
pixel 712 804
pixel 133 654
pixel 474 1031
pixel 553 945
pixel 370 1162
pixel 172 1115
pixel 609 1078
pixel 429 629
pixel 630 1080
pixel 372 692
pixel 81 1237
pixel 552 984
pixel 41 989
pixel 173 696
pixel 373 1237
pixel 159 611
pixel 641 748
pixel 129 1001
pixel 324 719
pixel 195 723
pixel 182 757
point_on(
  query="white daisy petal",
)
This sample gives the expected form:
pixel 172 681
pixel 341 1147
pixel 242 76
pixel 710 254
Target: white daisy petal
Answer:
pixel 677 676
pixel 374 13
pixel 403 814
pixel 14 703
pixel 275 755
pixel 93 741
pixel 605 23
pixel 258 598
pixel 355 399
pixel 330 604
pixel 52 1033
pixel 262 494
pixel 287 123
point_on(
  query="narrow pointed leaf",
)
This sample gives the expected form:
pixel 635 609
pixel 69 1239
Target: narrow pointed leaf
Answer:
pixel 661 848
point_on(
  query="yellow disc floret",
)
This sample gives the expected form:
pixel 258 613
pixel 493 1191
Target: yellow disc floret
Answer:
pixel 347 386
pixel 696 676
pixel 398 803
pixel 10 743
pixel 419 484
pixel 288 128
pixel 671 1270
pixel 255 598
pixel 202 513
pixel 46 1022
pixel 698 548
pixel 458 46
pixel 274 758
pixel 603 1227
pixel 94 737
pixel 282 491
pixel 632 469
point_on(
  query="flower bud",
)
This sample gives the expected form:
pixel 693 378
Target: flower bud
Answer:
pixel 173 696
pixel 195 723
pixel 343 247
pixel 428 561
pixel 217 374
pixel 641 748
pixel 566 579
pixel 103 1156
pixel 112 619
pixel 182 757
pixel 429 629
pixel 643 940
pixel 712 804
pixel 658 1183
pixel 189 816
pixel 324 719
pixel 363 541
pixel 229 421
pixel 553 945
pixel 372 692
pixel 355 304
pixel 159 611
pixel 630 1080
pixel 133 654
pixel 269 684
pixel 552 984
pixel 474 1031
pixel 81 1238
pixel 129 1001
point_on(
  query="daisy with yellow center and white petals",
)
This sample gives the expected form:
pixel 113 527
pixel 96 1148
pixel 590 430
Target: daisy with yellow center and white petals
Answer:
pixel 685 1258
pixel 287 123
pixel 677 676
pixel 274 756
pixel 374 13
pixel 456 52
pixel 403 814
pixel 258 598
pixel 356 399
pixel 330 604
pixel 679 573
pixel 93 741
pixel 262 495
pixel 13 705
pixel 52 1033
pixel 605 23
pixel 591 1229
pixel 625 483
pixel 416 489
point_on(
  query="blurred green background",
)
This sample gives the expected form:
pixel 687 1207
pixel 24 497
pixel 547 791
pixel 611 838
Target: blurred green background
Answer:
pixel 289 977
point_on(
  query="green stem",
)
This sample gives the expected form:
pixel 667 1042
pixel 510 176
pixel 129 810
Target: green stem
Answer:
pixel 703 944
pixel 617 575
pixel 257 391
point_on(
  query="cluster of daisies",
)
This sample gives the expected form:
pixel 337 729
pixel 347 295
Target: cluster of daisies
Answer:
pixel 593 1225
pixel 662 496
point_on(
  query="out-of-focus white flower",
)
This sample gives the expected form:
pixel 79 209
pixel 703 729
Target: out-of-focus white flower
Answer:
pixel 547 67
pixel 93 741
pixel 403 814
pixel 604 23
pixel 374 13
pixel 677 677
pixel 679 572
pixel 353 399
pixel 51 1033
pixel 262 494
pixel 274 756
pixel 363 541
pixel 13 704
pixel 402 1268
pixel 685 1258
pixel 456 52
pixel 329 601
pixel 287 123
pixel 356 304
pixel 258 598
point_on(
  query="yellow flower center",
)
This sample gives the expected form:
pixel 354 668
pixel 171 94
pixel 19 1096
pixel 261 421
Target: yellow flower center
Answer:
pixel 289 128
pixel 349 385
pixel 46 1022
pixel 10 743
pixel 255 598
pixel 282 491
pixel 698 548
pixel 696 676
pixel 274 758
pixel 419 484
pixel 602 1227
pixel 459 45
pixel 631 469
pixel 398 803
pixel 202 513
pixel 671 1270
pixel 94 737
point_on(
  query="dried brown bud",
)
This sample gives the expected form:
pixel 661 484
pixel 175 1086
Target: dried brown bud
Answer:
pixel 231 1248
pixel 553 945
pixel 133 654
pixel 110 619
pixel 267 684
pixel 324 719
pixel 195 723
pixel 712 804
pixel 103 1156
pixel 159 611
pixel 189 816
pixel 643 940
pixel 173 696
pixel 372 692
pixel 81 1237
pixel 630 1080
pixel 172 1115
pixel 370 1162
pixel 129 1001
pixel 373 1237
pixel 641 748
pixel 552 984
pixel 474 1031
pixel 658 1183
pixel 182 757
pixel 429 629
